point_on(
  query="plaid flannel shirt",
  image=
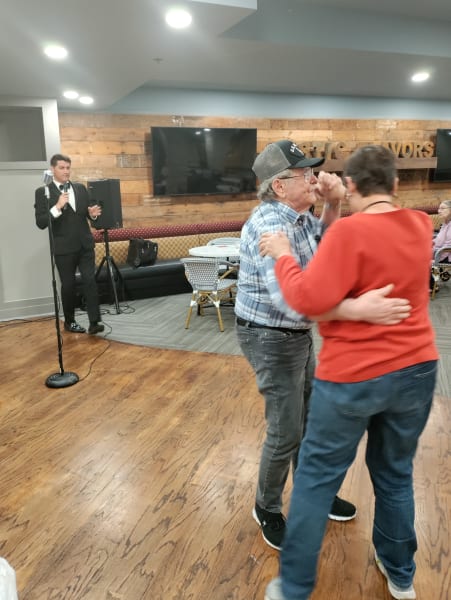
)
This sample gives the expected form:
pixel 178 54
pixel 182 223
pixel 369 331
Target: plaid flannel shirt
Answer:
pixel 259 298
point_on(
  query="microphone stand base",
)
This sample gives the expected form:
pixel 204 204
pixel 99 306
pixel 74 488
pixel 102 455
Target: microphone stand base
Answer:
pixel 61 380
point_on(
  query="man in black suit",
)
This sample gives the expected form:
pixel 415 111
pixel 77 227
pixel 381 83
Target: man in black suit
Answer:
pixel 73 241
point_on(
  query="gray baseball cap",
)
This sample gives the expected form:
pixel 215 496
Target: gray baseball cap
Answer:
pixel 278 156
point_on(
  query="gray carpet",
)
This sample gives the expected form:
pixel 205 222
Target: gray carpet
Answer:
pixel 160 323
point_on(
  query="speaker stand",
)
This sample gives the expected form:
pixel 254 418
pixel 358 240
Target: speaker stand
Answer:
pixel 112 272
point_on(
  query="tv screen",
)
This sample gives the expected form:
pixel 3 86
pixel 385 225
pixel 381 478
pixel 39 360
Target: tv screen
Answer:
pixel 195 160
pixel 443 152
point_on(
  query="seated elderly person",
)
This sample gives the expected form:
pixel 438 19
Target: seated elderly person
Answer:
pixel 443 238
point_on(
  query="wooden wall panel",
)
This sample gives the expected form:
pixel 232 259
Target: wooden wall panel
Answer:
pixel 118 147
pixel 91 134
pixel 104 148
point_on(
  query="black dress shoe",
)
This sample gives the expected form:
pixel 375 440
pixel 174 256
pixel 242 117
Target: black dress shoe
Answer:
pixel 96 328
pixel 74 327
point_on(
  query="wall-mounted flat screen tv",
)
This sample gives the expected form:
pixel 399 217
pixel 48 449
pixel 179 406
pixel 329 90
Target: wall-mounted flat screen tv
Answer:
pixel 193 161
pixel 443 152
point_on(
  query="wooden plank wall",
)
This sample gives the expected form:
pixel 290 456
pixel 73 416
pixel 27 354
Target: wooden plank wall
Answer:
pixel 118 146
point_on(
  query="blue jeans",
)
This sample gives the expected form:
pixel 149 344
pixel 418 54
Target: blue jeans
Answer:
pixel 393 409
pixel 283 364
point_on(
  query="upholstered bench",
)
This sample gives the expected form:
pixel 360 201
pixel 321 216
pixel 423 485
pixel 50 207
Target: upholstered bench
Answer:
pixel 167 275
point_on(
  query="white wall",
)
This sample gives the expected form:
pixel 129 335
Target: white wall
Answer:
pixel 25 280
pixel 163 101
pixel 25 274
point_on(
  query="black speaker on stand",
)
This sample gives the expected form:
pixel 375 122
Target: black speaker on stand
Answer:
pixel 107 194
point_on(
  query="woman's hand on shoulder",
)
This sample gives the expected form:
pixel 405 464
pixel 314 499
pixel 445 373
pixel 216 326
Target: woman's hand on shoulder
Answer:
pixel 274 245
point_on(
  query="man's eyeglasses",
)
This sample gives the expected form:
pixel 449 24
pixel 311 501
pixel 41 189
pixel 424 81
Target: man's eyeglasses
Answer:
pixel 307 175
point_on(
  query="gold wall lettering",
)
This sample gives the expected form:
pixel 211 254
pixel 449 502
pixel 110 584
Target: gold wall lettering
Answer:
pixel 341 150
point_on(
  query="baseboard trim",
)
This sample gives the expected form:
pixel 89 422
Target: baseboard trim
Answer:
pixel 24 309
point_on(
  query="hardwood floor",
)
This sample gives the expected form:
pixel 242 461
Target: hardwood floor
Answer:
pixel 137 483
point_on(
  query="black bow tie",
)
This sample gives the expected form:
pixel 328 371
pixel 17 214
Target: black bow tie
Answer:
pixel 61 187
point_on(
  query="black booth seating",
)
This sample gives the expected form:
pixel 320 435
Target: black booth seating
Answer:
pixel 167 275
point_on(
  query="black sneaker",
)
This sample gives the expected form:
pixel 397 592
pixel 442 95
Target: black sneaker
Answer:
pixel 95 328
pixel 74 327
pixel 272 524
pixel 342 510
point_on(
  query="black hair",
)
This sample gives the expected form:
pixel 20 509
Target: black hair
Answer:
pixel 372 170
pixel 56 157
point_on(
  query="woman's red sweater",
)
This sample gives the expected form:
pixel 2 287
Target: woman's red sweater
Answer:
pixel 357 254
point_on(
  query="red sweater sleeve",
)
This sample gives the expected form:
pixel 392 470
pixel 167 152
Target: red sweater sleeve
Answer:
pixel 328 278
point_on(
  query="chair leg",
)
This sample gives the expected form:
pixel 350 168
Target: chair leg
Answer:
pixel 202 300
pixel 188 317
pixel 192 303
pixel 217 303
pixel 435 286
pixel 221 325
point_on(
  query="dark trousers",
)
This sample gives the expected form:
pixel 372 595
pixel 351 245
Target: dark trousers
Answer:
pixel 67 266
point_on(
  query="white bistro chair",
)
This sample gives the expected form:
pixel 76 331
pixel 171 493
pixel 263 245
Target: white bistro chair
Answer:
pixel 232 264
pixel 208 286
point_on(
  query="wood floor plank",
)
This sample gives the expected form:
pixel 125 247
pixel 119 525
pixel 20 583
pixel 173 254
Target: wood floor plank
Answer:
pixel 137 483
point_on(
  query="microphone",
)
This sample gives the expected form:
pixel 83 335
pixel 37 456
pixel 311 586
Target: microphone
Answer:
pixel 47 176
pixel 66 186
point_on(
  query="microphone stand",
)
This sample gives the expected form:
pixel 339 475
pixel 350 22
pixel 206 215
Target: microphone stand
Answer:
pixel 63 378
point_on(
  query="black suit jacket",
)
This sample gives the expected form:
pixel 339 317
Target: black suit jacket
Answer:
pixel 71 231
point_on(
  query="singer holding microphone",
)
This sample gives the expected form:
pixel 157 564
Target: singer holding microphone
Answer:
pixel 73 242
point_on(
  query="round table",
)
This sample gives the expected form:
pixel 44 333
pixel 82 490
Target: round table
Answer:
pixel 216 251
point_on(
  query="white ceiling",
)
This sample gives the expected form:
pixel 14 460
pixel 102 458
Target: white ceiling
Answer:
pixel 330 47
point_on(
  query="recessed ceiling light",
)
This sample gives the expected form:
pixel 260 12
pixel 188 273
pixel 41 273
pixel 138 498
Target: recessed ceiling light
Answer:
pixel 55 52
pixel 86 99
pixel 420 76
pixel 178 18
pixel 71 94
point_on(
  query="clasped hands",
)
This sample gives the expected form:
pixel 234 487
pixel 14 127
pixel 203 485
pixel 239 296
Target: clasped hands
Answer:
pixel 329 188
